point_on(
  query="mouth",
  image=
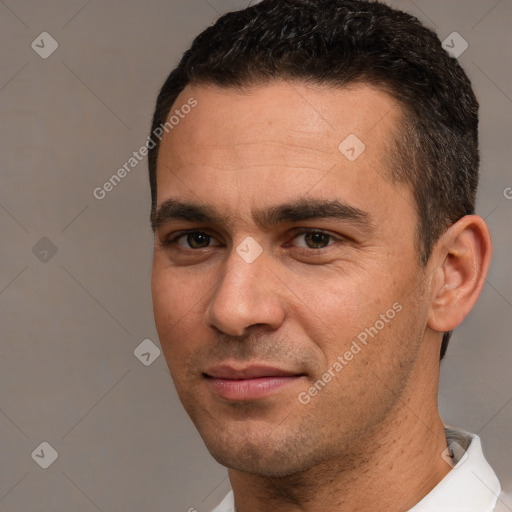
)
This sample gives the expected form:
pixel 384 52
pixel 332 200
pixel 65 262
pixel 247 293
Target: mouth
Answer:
pixel 248 383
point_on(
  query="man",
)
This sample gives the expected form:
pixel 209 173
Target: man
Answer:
pixel 313 187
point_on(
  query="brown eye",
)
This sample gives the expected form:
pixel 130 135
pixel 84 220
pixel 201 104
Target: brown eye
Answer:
pixel 197 239
pixel 314 239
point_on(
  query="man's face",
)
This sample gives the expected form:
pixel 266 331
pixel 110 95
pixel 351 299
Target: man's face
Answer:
pixel 252 310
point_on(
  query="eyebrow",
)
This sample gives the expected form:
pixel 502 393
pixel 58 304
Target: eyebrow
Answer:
pixel 296 211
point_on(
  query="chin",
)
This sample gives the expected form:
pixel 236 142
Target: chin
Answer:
pixel 258 464
pixel 264 456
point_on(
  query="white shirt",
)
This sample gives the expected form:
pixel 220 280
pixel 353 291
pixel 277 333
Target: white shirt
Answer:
pixel 471 485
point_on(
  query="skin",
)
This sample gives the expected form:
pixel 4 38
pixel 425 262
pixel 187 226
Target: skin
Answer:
pixel 372 438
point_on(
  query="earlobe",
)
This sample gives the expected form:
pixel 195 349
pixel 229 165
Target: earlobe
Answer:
pixel 462 256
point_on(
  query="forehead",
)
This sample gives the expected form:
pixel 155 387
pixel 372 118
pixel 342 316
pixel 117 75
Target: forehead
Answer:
pixel 286 111
pixel 279 140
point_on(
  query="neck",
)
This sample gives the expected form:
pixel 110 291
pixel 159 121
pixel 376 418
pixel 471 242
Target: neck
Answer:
pixel 390 468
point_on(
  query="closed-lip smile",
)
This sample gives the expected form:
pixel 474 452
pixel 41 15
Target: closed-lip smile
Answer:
pixel 248 372
pixel 248 383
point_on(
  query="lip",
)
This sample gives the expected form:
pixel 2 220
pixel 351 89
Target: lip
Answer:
pixel 248 383
pixel 225 371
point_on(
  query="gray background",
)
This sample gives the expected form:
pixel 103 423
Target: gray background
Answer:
pixel 69 325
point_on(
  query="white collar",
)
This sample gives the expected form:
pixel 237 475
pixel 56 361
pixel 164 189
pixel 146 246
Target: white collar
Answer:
pixel 471 485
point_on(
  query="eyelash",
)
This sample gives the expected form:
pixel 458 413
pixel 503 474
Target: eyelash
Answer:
pixel 171 242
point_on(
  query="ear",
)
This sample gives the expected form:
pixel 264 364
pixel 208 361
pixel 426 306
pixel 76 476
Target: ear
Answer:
pixel 461 261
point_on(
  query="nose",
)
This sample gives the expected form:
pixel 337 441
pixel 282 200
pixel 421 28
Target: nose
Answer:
pixel 247 294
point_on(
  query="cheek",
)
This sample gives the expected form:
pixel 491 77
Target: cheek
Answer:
pixel 175 314
pixel 340 309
